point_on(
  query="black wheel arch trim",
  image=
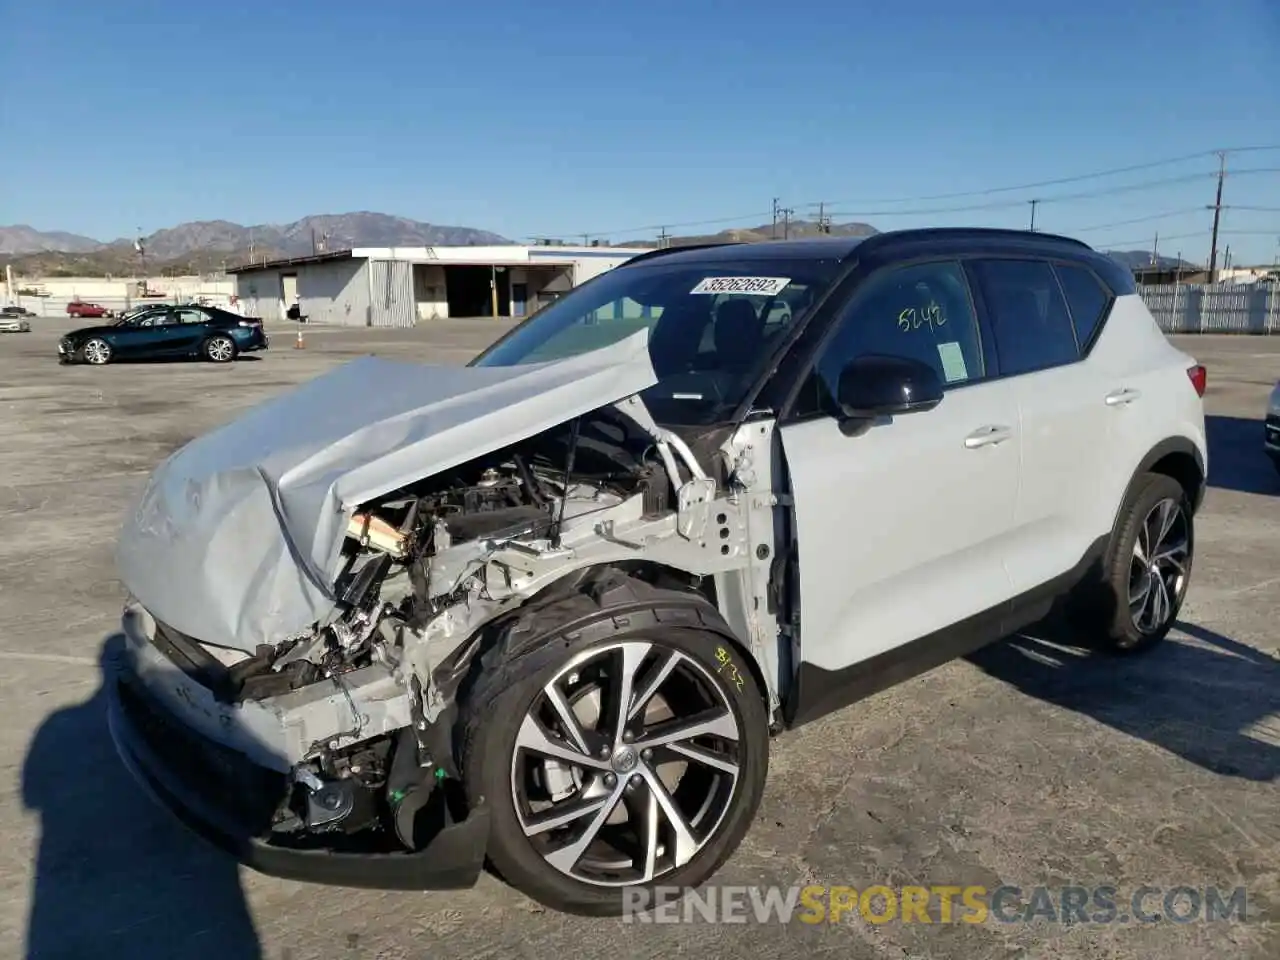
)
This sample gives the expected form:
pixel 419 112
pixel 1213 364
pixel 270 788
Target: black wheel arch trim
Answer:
pixel 602 607
pixel 1166 447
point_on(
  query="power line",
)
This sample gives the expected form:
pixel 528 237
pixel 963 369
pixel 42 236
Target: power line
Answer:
pixel 1010 204
pixel 968 208
pixel 1183 236
pixel 1114 171
pixel 1147 219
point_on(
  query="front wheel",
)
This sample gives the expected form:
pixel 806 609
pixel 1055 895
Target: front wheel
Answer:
pixel 220 349
pixel 97 352
pixel 630 760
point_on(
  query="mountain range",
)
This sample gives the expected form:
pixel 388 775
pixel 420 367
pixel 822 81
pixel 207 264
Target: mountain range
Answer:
pixel 205 245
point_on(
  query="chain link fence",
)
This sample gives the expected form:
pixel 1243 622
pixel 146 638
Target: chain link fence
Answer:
pixel 1214 308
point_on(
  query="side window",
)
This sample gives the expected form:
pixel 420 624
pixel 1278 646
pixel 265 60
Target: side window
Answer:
pixel 1086 298
pixel 1028 315
pixel 192 316
pixel 922 312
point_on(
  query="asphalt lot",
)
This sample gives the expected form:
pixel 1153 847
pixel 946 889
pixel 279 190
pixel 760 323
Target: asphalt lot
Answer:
pixel 1029 764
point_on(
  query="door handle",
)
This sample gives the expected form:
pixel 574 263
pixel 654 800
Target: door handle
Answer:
pixel 1119 398
pixel 987 436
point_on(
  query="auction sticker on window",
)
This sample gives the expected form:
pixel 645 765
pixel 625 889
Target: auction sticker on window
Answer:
pixel 762 286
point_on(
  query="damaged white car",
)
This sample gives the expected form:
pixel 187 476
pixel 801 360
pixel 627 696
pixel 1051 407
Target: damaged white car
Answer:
pixel 546 610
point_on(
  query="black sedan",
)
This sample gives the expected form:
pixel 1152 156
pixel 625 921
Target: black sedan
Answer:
pixel 187 331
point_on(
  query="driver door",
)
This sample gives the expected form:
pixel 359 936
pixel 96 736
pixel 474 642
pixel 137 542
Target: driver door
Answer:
pixel 902 531
pixel 134 338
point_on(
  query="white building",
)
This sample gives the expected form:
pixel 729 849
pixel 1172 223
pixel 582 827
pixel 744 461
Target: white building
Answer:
pixel 399 286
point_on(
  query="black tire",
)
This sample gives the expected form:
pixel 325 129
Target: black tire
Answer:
pixel 1101 606
pixel 537 645
pixel 219 348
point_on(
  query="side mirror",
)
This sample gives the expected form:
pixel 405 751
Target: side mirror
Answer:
pixel 880 386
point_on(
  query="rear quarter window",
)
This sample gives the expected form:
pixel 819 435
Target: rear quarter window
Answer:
pixel 1028 315
pixel 1087 300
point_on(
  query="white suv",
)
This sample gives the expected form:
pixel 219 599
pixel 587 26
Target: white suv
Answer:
pixel 547 609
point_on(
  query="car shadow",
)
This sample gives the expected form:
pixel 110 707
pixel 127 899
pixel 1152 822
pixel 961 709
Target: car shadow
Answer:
pixel 116 876
pixel 137 361
pixel 1236 458
pixel 1196 698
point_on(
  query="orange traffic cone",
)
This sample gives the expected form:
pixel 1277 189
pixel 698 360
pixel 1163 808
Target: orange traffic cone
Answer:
pixel 299 344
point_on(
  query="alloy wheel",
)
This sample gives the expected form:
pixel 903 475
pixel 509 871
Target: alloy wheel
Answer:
pixel 97 351
pixel 1158 569
pixel 220 349
pixel 625 764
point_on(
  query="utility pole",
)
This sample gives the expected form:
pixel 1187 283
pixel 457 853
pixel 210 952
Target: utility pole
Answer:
pixel 1177 287
pixel 824 221
pixel 1217 214
pixel 1033 214
pixel 313 241
pixel 1155 249
pixel 773 232
pixel 663 238
pixel 786 222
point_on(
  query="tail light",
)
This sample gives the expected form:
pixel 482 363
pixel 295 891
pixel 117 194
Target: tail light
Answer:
pixel 1199 378
pixel 250 323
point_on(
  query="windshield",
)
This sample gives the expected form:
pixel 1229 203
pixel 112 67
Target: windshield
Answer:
pixel 711 325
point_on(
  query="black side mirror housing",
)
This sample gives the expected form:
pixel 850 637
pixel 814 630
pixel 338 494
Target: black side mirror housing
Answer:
pixel 882 386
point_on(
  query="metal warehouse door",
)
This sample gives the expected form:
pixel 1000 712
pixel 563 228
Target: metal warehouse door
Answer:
pixel 391 293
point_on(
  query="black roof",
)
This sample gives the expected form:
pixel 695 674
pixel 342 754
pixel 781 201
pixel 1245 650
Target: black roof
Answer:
pixel 840 248
pixel 934 241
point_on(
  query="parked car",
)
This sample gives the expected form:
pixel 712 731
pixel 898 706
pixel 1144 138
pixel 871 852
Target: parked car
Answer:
pixel 167 332
pixel 547 609
pixel 1271 429
pixel 82 308
pixel 14 320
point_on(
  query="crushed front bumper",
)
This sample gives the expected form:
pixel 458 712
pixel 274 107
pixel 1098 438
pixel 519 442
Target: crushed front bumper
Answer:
pixel 229 800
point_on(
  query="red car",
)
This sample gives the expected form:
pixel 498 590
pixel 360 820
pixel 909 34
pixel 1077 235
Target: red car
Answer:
pixel 79 308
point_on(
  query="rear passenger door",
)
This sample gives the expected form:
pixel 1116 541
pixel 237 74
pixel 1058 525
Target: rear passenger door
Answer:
pixel 192 327
pixel 1063 419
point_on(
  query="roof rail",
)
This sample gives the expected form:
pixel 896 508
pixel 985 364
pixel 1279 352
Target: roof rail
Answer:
pixel 982 232
pixel 663 251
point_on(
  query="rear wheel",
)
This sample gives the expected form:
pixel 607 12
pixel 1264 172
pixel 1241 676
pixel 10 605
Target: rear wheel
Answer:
pixel 97 352
pixel 1146 572
pixel 220 349
pixel 616 756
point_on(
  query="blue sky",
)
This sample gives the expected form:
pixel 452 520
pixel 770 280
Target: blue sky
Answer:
pixel 560 118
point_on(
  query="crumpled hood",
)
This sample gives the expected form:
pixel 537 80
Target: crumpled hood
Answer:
pixel 236 538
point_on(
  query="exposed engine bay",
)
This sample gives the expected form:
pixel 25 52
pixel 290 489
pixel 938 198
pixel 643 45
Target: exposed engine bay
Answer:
pixel 423 570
